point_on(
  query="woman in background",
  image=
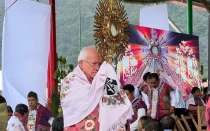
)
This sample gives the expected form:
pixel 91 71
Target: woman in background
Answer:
pixel 10 112
pixel 17 121
pixel 194 101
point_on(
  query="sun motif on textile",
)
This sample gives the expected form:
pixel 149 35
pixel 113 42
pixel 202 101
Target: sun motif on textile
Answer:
pixel 174 56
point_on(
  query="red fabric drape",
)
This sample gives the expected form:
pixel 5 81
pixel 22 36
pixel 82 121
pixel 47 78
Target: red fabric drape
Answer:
pixel 51 82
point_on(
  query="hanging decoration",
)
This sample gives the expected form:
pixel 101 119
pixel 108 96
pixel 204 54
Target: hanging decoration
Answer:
pixel 145 1
pixel 110 31
pixel 206 4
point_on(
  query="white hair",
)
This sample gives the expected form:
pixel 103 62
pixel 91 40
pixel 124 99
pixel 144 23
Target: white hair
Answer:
pixel 84 52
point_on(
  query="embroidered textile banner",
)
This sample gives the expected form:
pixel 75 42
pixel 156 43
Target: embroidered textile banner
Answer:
pixel 175 56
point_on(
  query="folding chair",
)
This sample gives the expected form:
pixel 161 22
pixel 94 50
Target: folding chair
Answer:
pixel 201 118
pixel 179 125
pixel 185 118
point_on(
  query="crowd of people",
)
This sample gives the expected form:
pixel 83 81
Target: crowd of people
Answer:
pixel 34 117
pixel 93 100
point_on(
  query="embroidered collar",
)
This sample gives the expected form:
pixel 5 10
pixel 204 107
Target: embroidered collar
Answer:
pixel 36 107
pixel 20 117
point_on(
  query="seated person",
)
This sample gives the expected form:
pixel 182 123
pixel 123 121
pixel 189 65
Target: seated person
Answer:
pixel 142 121
pixel 168 123
pixel 139 107
pixel 194 101
pixel 152 125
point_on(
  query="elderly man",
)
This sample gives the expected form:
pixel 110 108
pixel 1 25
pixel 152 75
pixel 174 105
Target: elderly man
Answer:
pixel 162 97
pixel 39 117
pixel 91 98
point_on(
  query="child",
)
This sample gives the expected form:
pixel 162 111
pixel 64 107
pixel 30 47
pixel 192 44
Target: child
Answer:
pixel 139 107
pixel 10 112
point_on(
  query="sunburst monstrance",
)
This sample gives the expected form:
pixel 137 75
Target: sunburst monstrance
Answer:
pixel 110 30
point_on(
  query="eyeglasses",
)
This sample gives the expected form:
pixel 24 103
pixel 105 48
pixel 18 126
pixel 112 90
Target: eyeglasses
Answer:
pixel 93 64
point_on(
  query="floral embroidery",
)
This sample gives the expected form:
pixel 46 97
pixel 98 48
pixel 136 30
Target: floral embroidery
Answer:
pixel 116 99
pixel 63 95
pixel 18 128
pixel 65 85
pixel 89 124
pixel 121 129
pixel 31 120
pixel 43 128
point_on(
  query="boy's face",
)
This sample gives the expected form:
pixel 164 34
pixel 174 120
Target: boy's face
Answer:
pixel 130 95
pixel 147 81
pixel 197 93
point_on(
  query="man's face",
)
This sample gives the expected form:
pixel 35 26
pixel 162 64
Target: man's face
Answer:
pixel 130 95
pixel 32 102
pixel 154 82
pixel 91 64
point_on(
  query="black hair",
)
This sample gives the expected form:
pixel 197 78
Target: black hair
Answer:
pixel 2 99
pixel 129 87
pixel 205 90
pixel 152 125
pixel 167 122
pixel 33 94
pixel 194 89
pixel 145 118
pixel 57 124
pixel 9 109
pixel 154 75
pixel 21 108
pixel 146 76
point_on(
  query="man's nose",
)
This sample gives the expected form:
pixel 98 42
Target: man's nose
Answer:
pixel 97 67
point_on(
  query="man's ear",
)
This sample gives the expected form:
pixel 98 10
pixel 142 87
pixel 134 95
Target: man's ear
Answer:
pixel 80 64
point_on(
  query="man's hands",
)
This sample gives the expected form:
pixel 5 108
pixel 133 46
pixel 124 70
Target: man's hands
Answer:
pixel 172 110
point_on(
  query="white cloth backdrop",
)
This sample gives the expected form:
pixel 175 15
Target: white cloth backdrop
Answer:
pixel 154 17
pixel 25 49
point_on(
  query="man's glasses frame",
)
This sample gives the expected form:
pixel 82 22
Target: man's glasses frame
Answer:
pixel 93 64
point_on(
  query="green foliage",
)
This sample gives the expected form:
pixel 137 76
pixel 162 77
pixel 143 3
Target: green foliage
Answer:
pixel 54 104
pixel 61 72
pixel 204 80
pixel 201 70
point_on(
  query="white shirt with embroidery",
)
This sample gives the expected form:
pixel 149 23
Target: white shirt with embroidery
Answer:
pixel 32 120
pixel 14 124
